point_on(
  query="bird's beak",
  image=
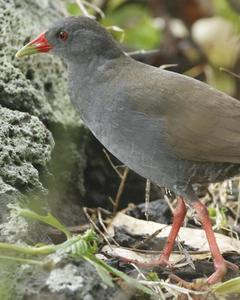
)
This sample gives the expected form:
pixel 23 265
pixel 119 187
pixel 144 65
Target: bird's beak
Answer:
pixel 40 44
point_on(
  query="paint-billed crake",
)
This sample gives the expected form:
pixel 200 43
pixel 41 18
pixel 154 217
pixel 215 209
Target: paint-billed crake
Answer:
pixel 169 128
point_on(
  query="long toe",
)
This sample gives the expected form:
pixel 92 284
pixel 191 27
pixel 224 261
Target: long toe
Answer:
pixel 154 263
pixel 232 266
pixel 219 273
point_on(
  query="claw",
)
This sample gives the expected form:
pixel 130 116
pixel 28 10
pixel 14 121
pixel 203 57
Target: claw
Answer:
pixel 232 266
pixel 221 270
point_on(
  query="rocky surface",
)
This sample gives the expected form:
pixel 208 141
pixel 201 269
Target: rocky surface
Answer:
pixel 25 145
pixel 70 280
pixel 38 85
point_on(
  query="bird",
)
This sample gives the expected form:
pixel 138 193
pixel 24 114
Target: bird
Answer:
pixel 170 128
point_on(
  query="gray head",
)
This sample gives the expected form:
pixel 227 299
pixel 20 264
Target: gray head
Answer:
pixel 74 38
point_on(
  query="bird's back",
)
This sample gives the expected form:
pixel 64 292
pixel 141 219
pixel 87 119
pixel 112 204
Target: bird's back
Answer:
pixel 201 123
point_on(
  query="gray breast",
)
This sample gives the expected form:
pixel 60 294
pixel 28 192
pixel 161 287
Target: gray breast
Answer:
pixel 133 138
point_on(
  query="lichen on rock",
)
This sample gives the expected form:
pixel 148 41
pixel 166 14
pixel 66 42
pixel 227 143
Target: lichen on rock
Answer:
pixel 24 144
pixel 71 280
pixel 38 85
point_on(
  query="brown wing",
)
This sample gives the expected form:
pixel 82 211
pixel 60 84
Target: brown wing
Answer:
pixel 205 135
pixel 202 124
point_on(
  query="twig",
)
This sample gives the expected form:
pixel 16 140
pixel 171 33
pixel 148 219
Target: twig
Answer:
pixel 95 8
pixel 107 212
pixel 167 66
pixel 96 227
pixel 156 252
pixel 120 190
pixel 22 260
pixel 147 239
pixel 147 198
pixel 104 227
pixel 168 203
pixel 238 206
pixel 111 163
pixel 123 178
pixel 28 250
pixel 157 288
pixel 181 289
pixel 186 254
pixel 111 200
pixel 83 9
pixel 230 72
pixel 138 54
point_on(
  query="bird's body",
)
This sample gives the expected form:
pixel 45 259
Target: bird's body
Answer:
pixel 169 128
pixel 109 100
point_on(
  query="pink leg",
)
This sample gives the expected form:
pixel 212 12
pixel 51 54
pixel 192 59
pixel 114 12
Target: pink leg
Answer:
pixel 219 263
pixel 178 218
pixel 179 214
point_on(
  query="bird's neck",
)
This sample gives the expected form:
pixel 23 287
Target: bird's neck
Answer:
pixel 89 64
pixel 89 75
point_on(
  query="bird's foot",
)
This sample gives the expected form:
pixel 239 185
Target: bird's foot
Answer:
pixel 221 270
pixel 164 261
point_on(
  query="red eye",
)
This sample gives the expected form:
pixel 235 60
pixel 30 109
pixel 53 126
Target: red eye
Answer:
pixel 63 35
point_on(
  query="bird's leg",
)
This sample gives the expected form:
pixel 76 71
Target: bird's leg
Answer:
pixel 219 263
pixel 178 218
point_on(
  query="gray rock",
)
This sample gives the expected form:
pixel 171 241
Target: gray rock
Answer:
pixel 71 280
pixel 25 143
pixel 38 85
pixel 25 148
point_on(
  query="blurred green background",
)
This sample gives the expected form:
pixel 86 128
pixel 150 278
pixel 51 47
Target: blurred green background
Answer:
pixel 199 36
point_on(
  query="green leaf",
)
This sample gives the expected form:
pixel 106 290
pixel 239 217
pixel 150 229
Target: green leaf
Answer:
pixel 221 80
pixel 83 246
pixel 138 25
pixel 79 245
pixel 129 280
pixel 48 219
pixel 152 276
pixel 212 212
pixel 113 4
pixel 104 274
pixel 231 286
pixel 76 247
pixel 73 9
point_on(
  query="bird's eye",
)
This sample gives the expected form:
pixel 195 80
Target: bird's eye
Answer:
pixel 62 35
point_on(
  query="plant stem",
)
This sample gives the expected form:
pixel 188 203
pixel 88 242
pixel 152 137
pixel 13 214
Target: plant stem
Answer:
pixel 28 249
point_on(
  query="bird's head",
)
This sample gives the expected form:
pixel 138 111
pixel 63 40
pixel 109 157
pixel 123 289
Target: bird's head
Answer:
pixel 71 38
